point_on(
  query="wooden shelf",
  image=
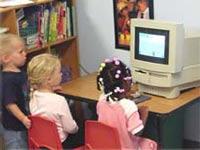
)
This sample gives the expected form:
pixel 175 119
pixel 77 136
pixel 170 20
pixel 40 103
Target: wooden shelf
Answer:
pixel 46 46
pixel 31 50
pixel 36 2
pixel 67 48
pixel 62 41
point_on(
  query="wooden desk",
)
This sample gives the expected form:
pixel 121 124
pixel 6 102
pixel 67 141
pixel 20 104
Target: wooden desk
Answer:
pixel 165 123
pixel 85 89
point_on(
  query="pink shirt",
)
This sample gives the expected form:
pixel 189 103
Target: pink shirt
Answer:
pixel 127 121
pixel 55 108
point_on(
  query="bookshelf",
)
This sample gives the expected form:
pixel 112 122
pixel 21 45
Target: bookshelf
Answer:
pixel 42 34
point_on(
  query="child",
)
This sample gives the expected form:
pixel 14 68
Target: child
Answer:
pixel 115 109
pixel 14 91
pixel 44 73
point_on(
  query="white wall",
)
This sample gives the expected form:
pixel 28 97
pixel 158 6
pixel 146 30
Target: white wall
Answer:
pixel 96 33
pixel 96 38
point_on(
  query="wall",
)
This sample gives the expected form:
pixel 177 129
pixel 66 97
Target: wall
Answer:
pixel 96 38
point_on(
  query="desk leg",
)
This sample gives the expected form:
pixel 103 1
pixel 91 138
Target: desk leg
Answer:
pixel 167 130
pixel 77 139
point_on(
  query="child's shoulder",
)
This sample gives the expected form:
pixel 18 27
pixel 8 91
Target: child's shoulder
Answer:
pixel 128 105
pixel 58 97
pixel 12 74
pixel 49 96
pixel 13 77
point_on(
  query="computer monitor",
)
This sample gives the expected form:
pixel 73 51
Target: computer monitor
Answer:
pixel 164 61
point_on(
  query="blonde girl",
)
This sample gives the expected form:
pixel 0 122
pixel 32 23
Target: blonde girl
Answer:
pixel 44 73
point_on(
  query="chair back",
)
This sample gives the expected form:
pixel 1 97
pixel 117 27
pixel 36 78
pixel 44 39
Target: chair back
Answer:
pixel 43 133
pixel 101 136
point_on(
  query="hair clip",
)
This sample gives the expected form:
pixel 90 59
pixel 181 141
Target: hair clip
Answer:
pixel 117 62
pixel 31 89
pixel 117 89
pixel 118 71
pixel 103 65
pixel 100 79
pixel 121 91
pixel 108 94
pixel 100 69
pixel 127 78
pixel 117 76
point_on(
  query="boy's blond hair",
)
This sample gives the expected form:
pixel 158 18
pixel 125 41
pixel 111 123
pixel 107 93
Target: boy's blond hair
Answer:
pixel 7 43
pixel 40 68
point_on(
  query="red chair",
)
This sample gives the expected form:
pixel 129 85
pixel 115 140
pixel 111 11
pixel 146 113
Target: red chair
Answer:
pixel 43 134
pixel 101 136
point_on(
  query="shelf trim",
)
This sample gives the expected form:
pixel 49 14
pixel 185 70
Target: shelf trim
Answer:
pixel 36 2
pixel 62 41
pixel 31 50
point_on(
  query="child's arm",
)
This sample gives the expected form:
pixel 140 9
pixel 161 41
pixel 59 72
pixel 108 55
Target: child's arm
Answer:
pixel 57 88
pixel 143 111
pixel 134 121
pixel 68 123
pixel 14 109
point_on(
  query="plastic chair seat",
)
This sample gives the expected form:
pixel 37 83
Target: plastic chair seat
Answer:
pixel 101 136
pixel 43 133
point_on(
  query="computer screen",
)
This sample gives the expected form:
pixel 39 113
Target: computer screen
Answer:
pixel 152 45
pixel 164 60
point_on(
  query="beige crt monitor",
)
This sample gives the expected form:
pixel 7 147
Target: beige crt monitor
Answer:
pixel 164 59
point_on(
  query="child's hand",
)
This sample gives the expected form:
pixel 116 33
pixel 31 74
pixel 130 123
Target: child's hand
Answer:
pixel 143 111
pixel 26 122
pixel 57 88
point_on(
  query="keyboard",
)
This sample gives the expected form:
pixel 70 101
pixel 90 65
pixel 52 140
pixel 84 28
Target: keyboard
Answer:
pixel 141 98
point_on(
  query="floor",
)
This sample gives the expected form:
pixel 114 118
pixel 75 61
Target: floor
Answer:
pixel 191 145
pixel 187 144
pixel 1 143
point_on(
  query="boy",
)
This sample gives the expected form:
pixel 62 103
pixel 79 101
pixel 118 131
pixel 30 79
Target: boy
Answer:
pixel 14 92
pixel 143 6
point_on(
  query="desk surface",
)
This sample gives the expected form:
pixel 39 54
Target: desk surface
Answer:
pixel 84 88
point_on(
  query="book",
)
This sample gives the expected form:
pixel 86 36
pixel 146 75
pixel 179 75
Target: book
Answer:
pixel 69 2
pixel 3 30
pixel 74 20
pixel 27 25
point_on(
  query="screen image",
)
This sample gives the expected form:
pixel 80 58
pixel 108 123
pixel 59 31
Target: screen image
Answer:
pixel 152 45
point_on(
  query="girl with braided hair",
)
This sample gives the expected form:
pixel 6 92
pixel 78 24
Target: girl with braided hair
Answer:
pixel 114 108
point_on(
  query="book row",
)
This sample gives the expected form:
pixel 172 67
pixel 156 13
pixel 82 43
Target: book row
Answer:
pixel 45 23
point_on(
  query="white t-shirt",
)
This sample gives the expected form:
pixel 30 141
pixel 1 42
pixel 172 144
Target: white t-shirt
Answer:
pixel 55 108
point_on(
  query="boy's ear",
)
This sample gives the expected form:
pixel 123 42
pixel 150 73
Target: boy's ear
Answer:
pixel 5 58
pixel 0 60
